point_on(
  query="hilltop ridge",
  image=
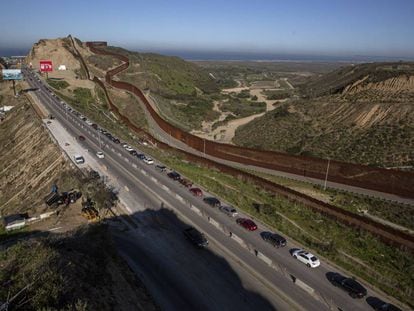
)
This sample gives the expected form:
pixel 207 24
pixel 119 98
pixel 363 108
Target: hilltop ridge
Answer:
pixel 392 77
pixel 358 113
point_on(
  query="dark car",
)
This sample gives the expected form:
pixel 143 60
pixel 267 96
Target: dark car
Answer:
pixel 186 183
pixel 387 307
pixel 174 175
pixel 274 239
pixel 141 156
pixel 95 126
pixel 196 192
pixel 380 305
pixel 354 289
pixel 213 202
pixel 133 152
pixel 196 237
pixel 116 140
pixel 81 138
pixel 161 168
pixel 247 223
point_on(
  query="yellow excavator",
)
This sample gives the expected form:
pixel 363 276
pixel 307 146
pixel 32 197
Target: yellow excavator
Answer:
pixel 89 211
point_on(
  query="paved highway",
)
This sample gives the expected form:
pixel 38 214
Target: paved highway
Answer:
pixel 231 275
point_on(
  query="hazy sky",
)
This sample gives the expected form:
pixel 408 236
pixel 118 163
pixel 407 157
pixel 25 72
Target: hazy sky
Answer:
pixel 327 27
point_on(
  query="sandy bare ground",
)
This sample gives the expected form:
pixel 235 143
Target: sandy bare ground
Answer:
pixel 70 77
pixel 225 133
pixel 55 51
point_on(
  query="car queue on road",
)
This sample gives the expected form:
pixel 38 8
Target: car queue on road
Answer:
pixel 211 201
pixel 309 259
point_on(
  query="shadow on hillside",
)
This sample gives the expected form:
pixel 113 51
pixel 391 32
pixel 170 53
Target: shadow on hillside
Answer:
pixel 75 266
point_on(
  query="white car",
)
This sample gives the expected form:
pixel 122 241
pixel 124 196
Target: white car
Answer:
pixel 129 148
pixel 124 145
pixel 307 258
pixel 78 159
pixel 88 122
pixel 228 210
pixel 100 155
pixel 148 160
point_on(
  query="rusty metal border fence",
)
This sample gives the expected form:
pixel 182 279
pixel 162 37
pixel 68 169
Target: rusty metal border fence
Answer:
pixel 379 179
pixel 385 233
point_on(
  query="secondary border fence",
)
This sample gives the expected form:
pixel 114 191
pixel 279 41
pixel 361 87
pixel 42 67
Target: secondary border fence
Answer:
pixel 278 161
pixel 375 178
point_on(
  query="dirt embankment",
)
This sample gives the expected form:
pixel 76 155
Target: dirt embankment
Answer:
pixel 398 84
pixel 78 269
pixel 56 50
pixel 61 52
pixel 29 162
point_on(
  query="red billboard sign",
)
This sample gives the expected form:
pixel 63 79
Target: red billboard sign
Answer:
pixel 46 66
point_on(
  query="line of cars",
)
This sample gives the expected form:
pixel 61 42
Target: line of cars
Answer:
pixel 354 289
pixel 274 239
pixel 146 159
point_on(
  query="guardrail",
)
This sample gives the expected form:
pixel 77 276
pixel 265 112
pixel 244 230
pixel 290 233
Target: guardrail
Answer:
pixel 386 234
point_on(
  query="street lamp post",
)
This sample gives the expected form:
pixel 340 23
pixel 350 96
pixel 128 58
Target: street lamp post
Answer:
pixel 99 138
pixel 326 175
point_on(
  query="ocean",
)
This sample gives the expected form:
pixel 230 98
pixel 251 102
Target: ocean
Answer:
pixel 242 56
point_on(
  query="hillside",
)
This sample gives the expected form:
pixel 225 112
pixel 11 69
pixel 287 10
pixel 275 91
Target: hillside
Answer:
pixel 29 160
pixel 76 269
pixel 182 91
pixel 368 119
pixel 71 271
pixel 168 76
pixel 72 84
pixel 387 77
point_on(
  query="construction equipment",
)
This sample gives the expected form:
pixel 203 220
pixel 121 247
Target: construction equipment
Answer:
pixel 64 198
pixel 69 197
pixel 52 198
pixel 89 211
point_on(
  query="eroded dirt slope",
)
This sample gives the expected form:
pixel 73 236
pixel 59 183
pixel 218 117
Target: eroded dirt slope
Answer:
pixel 29 161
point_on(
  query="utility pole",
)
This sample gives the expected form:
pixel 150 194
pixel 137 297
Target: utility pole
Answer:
pixel 99 138
pixel 14 87
pixel 326 175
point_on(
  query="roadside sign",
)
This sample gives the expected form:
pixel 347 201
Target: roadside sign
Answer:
pixel 12 74
pixel 46 66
